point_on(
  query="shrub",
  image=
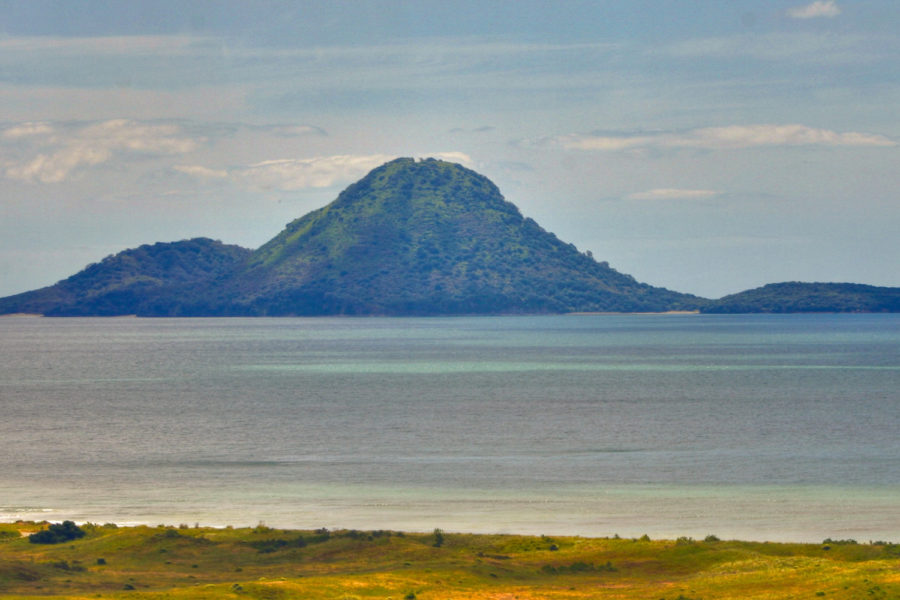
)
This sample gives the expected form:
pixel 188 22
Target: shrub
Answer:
pixel 262 528
pixel 322 535
pixel 847 542
pixel 578 567
pixel 57 533
pixel 273 545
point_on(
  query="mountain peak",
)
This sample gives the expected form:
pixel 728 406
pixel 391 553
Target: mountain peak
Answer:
pixel 424 180
pixel 429 237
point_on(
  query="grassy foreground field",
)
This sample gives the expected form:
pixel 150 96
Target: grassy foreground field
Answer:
pixel 271 564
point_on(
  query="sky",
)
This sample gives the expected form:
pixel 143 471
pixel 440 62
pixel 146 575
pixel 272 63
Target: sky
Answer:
pixel 704 146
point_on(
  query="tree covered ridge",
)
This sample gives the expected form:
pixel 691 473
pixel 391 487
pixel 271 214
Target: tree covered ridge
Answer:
pixel 132 280
pixel 796 297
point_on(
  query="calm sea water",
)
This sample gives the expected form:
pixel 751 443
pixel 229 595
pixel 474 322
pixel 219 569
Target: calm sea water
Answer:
pixel 756 427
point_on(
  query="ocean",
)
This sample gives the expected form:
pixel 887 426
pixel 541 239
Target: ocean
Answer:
pixel 762 427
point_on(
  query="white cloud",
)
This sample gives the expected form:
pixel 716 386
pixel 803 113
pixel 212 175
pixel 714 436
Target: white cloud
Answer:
pixel 184 62
pixel 672 194
pixel 56 167
pixel 62 152
pixel 27 130
pixel 723 138
pixel 296 130
pixel 801 47
pixel 576 141
pixel 25 102
pixel 165 45
pixel 456 157
pixel 747 136
pixel 201 172
pixel 289 174
pixel 138 137
pixel 819 8
pixel 300 173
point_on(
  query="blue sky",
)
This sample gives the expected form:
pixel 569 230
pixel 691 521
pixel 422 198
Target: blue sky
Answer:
pixel 704 146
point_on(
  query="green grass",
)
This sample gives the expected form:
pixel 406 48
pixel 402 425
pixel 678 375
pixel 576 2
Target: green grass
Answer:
pixel 264 563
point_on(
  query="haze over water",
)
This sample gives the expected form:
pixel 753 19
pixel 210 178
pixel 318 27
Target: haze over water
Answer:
pixel 757 427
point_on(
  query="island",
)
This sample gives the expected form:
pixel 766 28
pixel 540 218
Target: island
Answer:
pixel 411 238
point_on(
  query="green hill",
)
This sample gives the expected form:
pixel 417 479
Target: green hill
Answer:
pixel 135 281
pixel 425 238
pixel 796 297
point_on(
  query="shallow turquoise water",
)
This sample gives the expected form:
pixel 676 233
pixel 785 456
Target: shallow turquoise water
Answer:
pixel 763 427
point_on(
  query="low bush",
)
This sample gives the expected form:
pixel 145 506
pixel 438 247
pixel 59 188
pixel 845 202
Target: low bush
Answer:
pixel 57 533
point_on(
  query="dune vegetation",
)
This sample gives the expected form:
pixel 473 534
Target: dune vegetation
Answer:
pixel 266 563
